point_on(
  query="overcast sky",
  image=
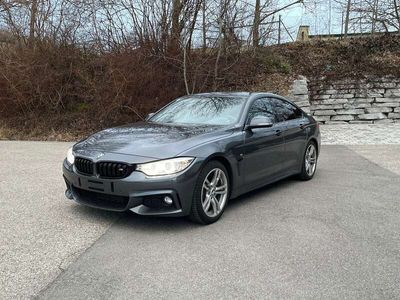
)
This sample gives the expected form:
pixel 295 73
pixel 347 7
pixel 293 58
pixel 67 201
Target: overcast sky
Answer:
pixel 316 15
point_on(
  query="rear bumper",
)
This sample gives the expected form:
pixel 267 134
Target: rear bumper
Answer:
pixel 137 193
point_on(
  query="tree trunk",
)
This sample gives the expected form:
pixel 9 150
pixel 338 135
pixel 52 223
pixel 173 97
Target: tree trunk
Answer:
pixel 396 9
pixel 32 23
pixel 374 16
pixel 204 27
pixel 193 23
pixel 175 27
pixel 185 66
pixel 256 24
pixel 347 21
pixel 221 42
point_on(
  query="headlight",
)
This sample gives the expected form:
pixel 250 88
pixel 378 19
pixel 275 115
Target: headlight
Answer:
pixel 70 156
pixel 165 167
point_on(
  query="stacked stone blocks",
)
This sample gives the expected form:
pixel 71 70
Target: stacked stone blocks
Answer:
pixel 369 100
pixel 299 94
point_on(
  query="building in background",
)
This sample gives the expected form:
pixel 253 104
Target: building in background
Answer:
pixel 303 35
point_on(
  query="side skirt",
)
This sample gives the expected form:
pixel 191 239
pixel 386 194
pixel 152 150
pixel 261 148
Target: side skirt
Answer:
pixel 247 189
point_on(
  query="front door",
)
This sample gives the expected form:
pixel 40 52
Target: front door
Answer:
pixel 263 147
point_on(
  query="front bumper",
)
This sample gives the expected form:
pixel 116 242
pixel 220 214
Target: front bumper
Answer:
pixel 138 193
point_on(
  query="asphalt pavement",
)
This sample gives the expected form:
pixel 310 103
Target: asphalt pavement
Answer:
pixel 40 232
pixel 336 236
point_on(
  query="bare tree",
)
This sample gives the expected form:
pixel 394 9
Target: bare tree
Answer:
pixel 256 26
pixel 397 14
pixel 347 20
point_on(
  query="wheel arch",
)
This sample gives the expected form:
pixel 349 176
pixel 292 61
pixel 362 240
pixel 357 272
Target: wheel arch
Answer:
pixel 225 162
pixel 315 141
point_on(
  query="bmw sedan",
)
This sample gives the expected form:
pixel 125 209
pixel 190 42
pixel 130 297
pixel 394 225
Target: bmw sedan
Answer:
pixel 193 155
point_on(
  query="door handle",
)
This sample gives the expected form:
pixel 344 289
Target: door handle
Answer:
pixel 278 132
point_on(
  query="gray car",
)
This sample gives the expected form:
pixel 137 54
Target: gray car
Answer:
pixel 193 155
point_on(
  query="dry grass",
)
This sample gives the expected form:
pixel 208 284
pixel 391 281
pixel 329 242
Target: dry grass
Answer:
pixel 55 92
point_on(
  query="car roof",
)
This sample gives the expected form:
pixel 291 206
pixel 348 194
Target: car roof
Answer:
pixel 248 95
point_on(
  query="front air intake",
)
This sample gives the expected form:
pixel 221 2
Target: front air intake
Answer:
pixel 84 166
pixel 113 169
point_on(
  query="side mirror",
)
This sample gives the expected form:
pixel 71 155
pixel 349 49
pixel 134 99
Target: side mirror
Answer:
pixel 260 122
pixel 149 116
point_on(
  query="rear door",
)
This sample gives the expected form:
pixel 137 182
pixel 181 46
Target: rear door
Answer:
pixel 295 133
pixel 263 147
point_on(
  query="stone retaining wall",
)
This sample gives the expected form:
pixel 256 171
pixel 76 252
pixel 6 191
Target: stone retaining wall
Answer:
pixel 371 100
pixel 300 94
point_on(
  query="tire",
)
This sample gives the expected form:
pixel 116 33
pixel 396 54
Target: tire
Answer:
pixel 210 197
pixel 308 170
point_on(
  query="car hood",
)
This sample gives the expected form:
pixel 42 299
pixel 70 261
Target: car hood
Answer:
pixel 149 140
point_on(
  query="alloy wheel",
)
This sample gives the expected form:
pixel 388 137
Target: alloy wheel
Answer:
pixel 311 160
pixel 214 192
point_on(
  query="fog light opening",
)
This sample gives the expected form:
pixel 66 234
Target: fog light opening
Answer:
pixel 168 200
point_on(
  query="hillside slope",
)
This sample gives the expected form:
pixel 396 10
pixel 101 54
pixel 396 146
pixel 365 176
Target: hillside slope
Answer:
pixel 59 92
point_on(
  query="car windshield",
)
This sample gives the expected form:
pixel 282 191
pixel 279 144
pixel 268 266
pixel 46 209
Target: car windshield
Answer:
pixel 207 110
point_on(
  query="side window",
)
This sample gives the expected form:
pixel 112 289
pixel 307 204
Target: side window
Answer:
pixel 262 107
pixel 285 111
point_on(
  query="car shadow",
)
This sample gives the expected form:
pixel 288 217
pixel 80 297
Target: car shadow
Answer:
pixel 93 213
pixel 131 221
pixel 254 195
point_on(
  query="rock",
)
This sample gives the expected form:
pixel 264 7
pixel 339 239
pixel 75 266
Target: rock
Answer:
pixel 342 118
pixel 322 118
pixel 373 91
pixel 300 98
pixel 388 78
pixel 343 96
pixel 335 123
pixel 338 90
pixel 362 100
pixel 326 106
pixel 333 101
pixel 385 85
pixel 386 121
pixel 368 95
pixel 302 103
pixel 394 104
pixel 372 110
pixel 324 112
pixel 331 92
pixel 364 86
pixel 392 93
pixel 356 105
pixel 397 109
pixel 299 87
pixel 360 122
pixel 349 111
pixel 389 100
pixel 394 116
pixel 376 116
pixel 321 97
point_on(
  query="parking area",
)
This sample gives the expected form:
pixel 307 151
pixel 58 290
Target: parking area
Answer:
pixel 333 237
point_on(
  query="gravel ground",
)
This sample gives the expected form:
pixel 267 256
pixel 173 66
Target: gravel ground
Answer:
pixel 361 134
